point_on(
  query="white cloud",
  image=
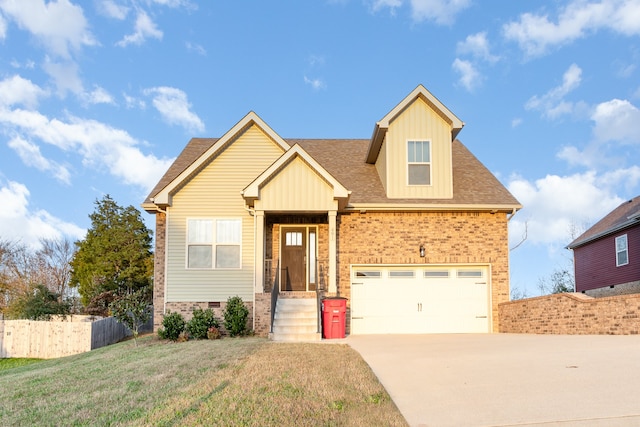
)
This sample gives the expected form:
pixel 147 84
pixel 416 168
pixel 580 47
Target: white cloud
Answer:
pixel 442 12
pixel 59 25
pixel 19 221
pixel 145 28
pixel 113 10
pixel 553 205
pixel 616 124
pixel 173 105
pixel 516 122
pixel 20 91
pixel 65 76
pixel 470 77
pixel 477 45
pixel 316 84
pixel 536 33
pixel 100 146
pixel 133 102
pixel 377 5
pixel 552 103
pixel 3 28
pixel 31 155
pixel 99 95
pixel 194 47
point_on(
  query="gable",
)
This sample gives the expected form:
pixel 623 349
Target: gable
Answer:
pixel 251 132
pixel 417 122
pixel 296 182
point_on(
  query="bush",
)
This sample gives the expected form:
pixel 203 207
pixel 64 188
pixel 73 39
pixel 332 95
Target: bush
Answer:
pixel 213 333
pixel 132 310
pixel 173 326
pixel 235 316
pixel 201 321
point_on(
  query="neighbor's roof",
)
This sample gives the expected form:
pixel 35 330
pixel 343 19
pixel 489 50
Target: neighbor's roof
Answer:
pixel 344 159
pixel 624 216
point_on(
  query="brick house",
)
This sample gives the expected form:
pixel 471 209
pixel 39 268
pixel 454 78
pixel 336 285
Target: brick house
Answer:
pixel 607 255
pixel 408 226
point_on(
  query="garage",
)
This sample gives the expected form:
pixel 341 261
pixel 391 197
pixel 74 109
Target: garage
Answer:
pixel 413 299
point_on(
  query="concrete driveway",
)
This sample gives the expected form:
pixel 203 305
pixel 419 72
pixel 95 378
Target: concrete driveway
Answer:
pixel 508 379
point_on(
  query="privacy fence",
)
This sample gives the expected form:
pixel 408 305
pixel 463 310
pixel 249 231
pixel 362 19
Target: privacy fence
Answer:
pixel 58 338
pixel 572 313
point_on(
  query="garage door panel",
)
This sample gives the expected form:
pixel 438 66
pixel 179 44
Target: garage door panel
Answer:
pixel 430 300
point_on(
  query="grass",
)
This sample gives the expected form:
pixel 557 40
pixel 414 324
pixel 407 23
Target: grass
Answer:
pixel 15 362
pixel 229 382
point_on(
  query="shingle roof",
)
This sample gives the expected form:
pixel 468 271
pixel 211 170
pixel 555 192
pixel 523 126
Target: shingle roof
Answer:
pixel 624 216
pixel 344 159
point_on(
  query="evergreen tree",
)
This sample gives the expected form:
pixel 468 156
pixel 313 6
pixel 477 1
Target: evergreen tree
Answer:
pixel 115 256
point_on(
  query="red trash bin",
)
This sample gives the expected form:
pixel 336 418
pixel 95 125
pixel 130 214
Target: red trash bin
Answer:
pixel 334 315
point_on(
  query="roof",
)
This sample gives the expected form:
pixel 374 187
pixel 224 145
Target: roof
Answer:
pixel 624 216
pixel 473 183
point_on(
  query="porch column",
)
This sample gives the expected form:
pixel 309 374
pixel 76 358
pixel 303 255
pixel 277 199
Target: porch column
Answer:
pixel 259 251
pixel 333 252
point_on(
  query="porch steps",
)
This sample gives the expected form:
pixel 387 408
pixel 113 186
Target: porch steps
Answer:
pixel 296 319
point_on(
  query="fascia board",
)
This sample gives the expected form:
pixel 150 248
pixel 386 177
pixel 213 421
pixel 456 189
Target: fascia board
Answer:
pixel 386 207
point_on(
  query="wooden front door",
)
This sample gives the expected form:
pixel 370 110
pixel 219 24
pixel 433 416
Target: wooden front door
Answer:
pixel 294 253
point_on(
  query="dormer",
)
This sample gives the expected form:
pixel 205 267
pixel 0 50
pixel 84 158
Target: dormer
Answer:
pixel 411 148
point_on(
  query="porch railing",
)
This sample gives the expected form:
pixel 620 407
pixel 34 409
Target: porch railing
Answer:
pixel 274 294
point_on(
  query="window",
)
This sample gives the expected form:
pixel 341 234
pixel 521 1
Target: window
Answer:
pixel 368 273
pixel 419 162
pixel 402 273
pixel 468 274
pixel 213 242
pixel 436 274
pixel 622 251
pixel 293 238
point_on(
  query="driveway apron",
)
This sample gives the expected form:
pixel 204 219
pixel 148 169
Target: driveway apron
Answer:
pixel 508 379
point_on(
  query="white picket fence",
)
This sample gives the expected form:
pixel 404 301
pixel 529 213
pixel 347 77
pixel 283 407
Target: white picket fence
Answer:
pixel 58 338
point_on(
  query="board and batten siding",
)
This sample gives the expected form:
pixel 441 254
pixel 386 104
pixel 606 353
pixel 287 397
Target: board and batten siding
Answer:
pixel 418 122
pixel 215 192
pixel 296 187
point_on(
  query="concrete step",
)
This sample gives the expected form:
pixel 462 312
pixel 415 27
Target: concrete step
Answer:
pixel 293 337
pixel 295 329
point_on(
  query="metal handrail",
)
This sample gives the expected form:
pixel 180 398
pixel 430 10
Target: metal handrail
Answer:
pixel 319 289
pixel 275 290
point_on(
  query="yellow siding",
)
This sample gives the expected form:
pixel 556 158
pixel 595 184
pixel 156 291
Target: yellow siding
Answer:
pixel 418 122
pixel 296 187
pixel 215 192
pixel 381 165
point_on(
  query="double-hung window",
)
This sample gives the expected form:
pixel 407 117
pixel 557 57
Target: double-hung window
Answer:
pixel 622 251
pixel 214 243
pixel 419 162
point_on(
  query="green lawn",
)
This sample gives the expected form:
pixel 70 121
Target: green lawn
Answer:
pixel 228 382
pixel 14 363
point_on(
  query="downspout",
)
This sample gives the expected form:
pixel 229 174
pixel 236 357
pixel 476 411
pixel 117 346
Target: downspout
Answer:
pixel 513 212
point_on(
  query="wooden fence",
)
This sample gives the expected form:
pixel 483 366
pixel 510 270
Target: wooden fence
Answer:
pixel 58 338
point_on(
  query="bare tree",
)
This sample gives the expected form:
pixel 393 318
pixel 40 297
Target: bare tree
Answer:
pixel 54 258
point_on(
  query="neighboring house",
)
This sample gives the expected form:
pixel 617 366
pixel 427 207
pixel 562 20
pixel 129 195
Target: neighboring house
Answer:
pixel 606 257
pixel 408 226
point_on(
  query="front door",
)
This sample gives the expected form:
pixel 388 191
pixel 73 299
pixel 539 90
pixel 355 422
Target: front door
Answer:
pixel 294 250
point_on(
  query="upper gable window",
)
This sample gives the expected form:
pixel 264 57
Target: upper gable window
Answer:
pixel 622 251
pixel 419 162
pixel 214 243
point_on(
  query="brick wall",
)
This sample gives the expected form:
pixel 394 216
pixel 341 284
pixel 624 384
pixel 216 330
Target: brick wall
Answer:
pixel 573 313
pixel 158 269
pixel 448 237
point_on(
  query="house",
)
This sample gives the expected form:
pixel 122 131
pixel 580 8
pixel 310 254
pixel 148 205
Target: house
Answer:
pixel 408 226
pixel 606 257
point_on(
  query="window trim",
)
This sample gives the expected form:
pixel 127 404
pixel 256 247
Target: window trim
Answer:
pixel 429 163
pixel 620 251
pixel 214 243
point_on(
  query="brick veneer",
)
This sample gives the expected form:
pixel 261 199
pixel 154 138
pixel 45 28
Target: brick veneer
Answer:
pixel 158 269
pixel 186 309
pixel 572 313
pixel 448 237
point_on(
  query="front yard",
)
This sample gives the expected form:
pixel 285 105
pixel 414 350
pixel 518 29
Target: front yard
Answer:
pixel 229 382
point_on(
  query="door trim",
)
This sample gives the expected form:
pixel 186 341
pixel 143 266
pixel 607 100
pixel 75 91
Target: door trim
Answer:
pixel 311 253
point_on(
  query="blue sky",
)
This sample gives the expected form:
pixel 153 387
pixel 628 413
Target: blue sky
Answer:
pixel 100 96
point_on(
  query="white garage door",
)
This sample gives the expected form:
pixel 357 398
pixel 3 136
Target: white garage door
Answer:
pixel 419 299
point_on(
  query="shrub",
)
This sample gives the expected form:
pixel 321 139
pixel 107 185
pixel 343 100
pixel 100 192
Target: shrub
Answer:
pixel 173 325
pixel 132 310
pixel 201 321
pixel 213 333
pixel 235 316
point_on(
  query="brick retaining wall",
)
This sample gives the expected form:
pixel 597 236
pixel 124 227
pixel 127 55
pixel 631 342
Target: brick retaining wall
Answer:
pixel 572 313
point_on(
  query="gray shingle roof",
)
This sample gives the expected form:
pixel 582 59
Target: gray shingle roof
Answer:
pixel 344 159
pixel 624 216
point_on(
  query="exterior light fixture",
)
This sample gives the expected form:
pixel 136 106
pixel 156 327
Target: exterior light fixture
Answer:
pixel 422 251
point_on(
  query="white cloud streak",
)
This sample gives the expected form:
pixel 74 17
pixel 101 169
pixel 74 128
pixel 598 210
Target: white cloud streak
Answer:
pixel 536 34
pixel 470 77
pixel 174 107
pixel 30 155
pixel 552 104
pixel 144 29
